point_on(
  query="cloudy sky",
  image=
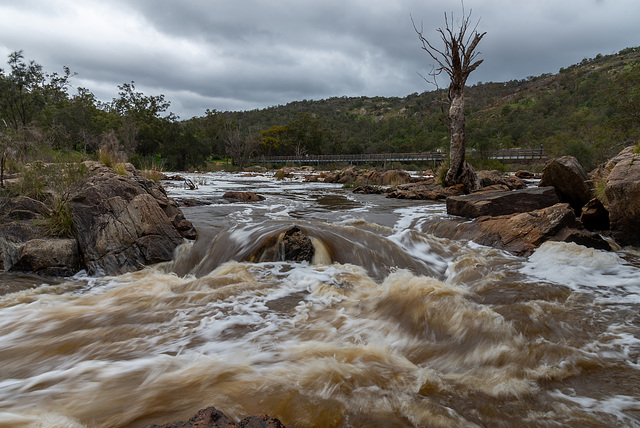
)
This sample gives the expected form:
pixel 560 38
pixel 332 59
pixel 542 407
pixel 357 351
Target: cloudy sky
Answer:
pixel 246 54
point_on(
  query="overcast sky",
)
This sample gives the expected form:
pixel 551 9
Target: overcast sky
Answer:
pixel 246 54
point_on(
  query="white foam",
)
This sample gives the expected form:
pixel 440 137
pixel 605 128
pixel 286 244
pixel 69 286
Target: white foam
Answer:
pixel 581 268
pixel 615 405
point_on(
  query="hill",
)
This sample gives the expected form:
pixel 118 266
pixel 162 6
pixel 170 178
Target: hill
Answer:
pixel 590 110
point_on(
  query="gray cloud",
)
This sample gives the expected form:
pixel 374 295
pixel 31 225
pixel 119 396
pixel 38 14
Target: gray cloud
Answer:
pixel 247 54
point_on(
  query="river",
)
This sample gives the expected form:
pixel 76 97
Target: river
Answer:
pixel 392 325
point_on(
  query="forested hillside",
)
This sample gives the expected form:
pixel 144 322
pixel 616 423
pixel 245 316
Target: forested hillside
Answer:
pixel 589 110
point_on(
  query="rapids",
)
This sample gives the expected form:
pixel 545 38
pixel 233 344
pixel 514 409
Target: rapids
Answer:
pixel 389 325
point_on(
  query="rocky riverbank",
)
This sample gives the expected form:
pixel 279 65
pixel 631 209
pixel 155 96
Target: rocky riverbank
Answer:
pixel 121 222
pixel 568 205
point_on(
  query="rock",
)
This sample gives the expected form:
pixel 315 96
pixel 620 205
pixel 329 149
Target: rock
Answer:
pixel 525 175
pixel 570 180
pixel 522 233
pixel 492 178
pixel 623 194
pixel 428 189
pixel 48 257
pixel 242 197
pixel 595 216
pixel 214 418
pixel 283 173
pixel 297 246
pixel 24 208
pixel 347 175
pixel 496 203
pixel 293 245
pixel 371 190
pixel 123 223
pixel 13 235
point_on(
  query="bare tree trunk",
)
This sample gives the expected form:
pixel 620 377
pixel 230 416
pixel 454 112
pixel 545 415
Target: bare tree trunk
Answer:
pixel 460 172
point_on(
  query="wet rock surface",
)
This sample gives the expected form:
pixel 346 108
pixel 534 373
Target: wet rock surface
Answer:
pixel 292 245
pixel 214 418
pixel 522 233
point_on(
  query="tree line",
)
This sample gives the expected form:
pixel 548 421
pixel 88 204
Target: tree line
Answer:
pixel 589 110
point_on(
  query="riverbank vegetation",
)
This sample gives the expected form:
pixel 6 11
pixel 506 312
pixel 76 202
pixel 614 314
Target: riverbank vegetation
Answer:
pixel 589 110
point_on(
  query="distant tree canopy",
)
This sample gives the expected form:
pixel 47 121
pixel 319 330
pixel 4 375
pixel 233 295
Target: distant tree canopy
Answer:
pixel 590 110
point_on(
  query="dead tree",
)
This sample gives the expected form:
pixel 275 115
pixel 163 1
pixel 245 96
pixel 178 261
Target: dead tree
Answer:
pixel 457 59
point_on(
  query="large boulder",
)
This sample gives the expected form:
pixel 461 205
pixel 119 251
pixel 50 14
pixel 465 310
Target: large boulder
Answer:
pixel 522 233
pixel 501 202
pixel 571 182
pixel 623 195
pixel 123 222
pixel 214 418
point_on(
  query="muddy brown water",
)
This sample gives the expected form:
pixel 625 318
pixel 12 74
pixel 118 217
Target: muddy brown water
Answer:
pixel 390 326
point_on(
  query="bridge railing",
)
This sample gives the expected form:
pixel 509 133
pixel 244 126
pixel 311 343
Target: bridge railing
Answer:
pixel 503 154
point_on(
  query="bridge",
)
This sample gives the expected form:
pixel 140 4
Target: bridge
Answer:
pixel 509 155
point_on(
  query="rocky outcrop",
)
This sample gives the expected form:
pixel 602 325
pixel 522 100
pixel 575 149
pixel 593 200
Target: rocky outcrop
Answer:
pixel 242 197
pixel 214 418
pixel 623 196
pixel 571 182
pixel 124 222
pixel 120 223
pixel 495 203
pixel 522 233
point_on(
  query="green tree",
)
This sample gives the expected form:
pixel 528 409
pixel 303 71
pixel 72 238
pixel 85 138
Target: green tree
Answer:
pixel 141 124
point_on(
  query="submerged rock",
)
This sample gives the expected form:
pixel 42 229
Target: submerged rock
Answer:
pixel 495 203
pixel 522 233
pixel 214 418
pixel 293 245
pixel 242 197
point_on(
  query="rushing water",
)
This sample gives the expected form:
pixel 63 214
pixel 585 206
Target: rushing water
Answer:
pixel 389 326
